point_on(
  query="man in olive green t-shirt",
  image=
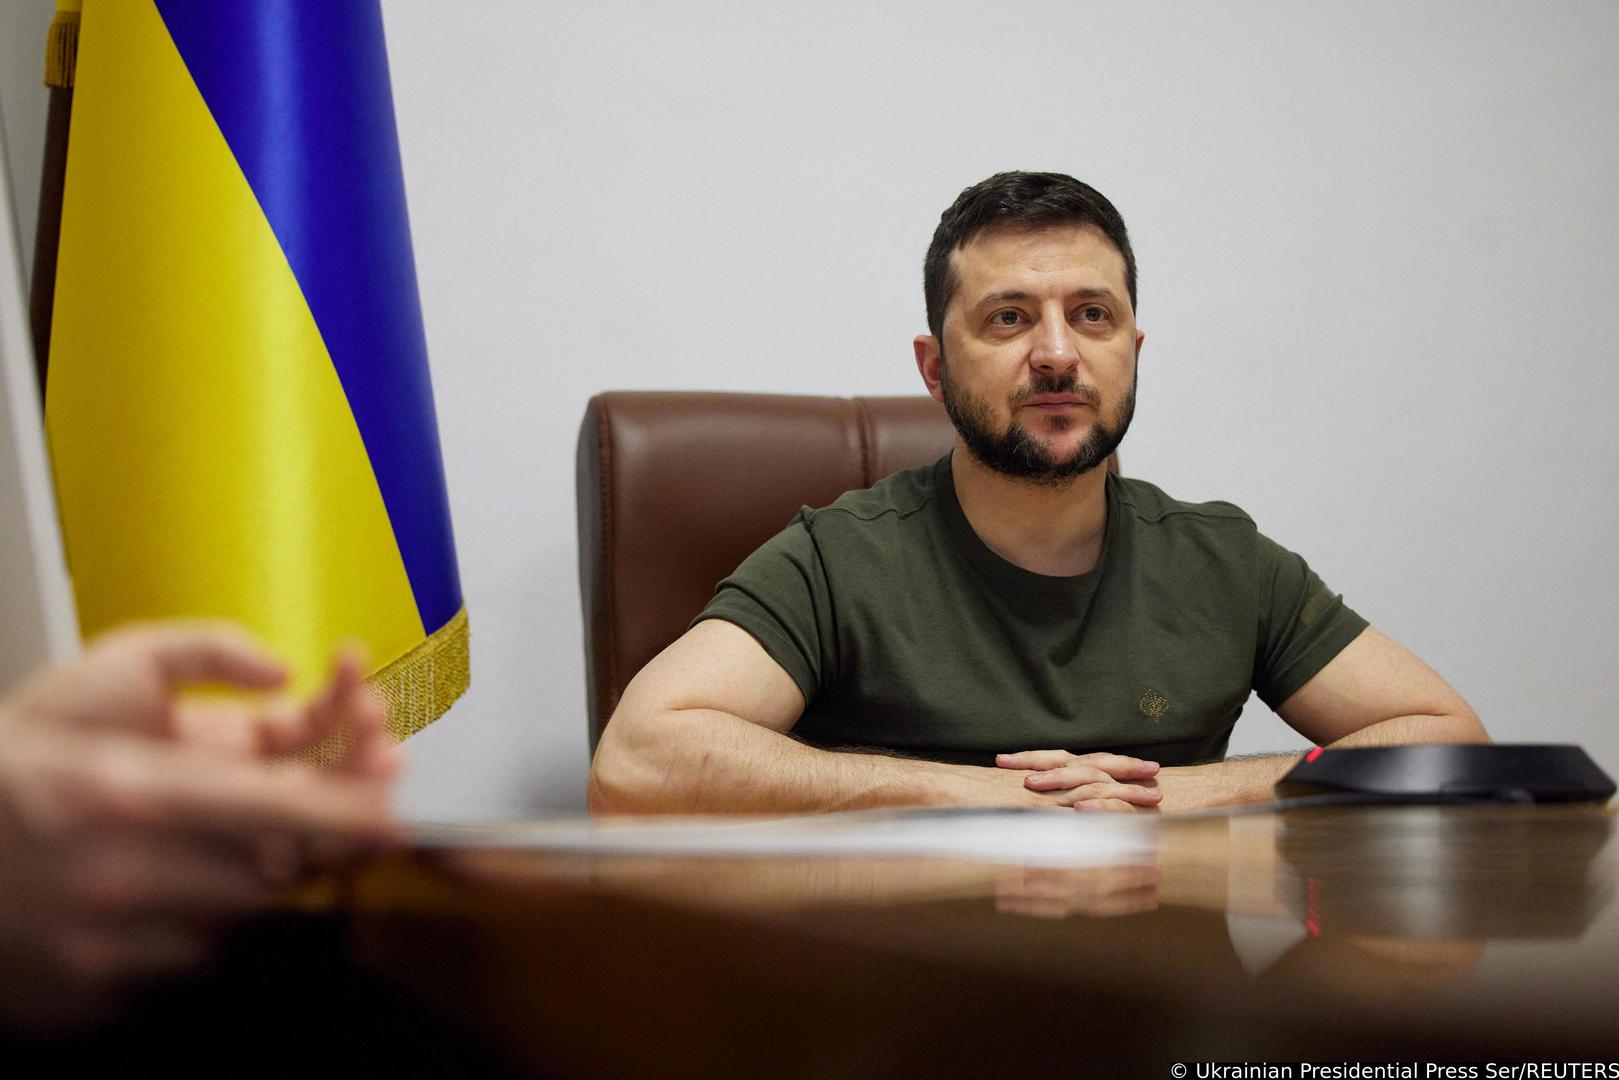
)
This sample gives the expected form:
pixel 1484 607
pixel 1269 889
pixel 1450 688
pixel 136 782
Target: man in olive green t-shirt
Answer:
pixel 1012 625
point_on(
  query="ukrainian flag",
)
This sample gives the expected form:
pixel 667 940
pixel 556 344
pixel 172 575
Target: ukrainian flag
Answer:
pixel 238 401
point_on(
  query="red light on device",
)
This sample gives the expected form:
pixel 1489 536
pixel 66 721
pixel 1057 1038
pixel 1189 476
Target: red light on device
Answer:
pixel 1313 754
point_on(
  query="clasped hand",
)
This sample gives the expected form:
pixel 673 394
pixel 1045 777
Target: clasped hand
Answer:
pixel 1088 781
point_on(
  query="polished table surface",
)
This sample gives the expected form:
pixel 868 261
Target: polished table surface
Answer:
pixel 1358 934
pixel 1345 934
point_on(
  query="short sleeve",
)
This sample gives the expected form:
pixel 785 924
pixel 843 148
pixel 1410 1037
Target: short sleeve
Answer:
pixel 780 595
pixel 1303 624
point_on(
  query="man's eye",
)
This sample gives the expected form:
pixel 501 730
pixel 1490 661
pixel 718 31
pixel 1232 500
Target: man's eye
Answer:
pixel 1006 317
pixel 1092 313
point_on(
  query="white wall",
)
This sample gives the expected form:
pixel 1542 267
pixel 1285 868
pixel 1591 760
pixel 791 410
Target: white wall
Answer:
pixel 22 105
pixel 1377 246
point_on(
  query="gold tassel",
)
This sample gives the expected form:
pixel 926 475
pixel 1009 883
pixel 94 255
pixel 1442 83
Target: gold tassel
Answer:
pixel 420 686
pixel 62 46
pixel 415 689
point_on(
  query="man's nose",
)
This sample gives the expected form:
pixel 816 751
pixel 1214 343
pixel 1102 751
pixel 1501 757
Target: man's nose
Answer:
pixel 1054 348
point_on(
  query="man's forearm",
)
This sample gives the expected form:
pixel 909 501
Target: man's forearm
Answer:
pixel 1232 782
pixel 704 761
pixel 1408 730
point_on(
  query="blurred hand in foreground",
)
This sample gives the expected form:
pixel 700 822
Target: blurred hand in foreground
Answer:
pixel 136 825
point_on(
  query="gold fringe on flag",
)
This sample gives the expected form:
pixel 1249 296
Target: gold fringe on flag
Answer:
pixel 420 686
pixel 415 689
pixel 62 45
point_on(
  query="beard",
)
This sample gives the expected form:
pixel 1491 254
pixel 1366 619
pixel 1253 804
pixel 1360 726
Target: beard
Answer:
pixel 1016 453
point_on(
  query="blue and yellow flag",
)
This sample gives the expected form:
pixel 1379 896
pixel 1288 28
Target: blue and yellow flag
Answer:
pixel 238 401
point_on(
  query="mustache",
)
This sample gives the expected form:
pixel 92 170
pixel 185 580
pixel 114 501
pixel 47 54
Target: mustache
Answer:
pixel 1059 384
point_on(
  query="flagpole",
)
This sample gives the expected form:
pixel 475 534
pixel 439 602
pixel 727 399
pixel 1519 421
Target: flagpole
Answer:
pixel 61 53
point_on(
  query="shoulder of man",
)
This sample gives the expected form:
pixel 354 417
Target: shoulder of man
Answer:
pixel 1150 505
pixel 854 529
pixel 896 497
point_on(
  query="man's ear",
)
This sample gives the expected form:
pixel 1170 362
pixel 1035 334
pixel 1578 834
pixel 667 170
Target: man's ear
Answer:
pixel 929 362
pixel 1141 337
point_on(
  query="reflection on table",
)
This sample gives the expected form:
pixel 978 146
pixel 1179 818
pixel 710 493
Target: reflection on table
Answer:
pixel 1415 933
pixel 1378 924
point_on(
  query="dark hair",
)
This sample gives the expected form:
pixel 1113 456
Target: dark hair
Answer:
pixel 1016 200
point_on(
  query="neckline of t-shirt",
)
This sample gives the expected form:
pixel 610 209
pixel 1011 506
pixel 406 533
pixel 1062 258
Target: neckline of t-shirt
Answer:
pixel 981 556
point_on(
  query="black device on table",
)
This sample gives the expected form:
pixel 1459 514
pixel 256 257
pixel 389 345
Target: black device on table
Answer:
pixel 1435 773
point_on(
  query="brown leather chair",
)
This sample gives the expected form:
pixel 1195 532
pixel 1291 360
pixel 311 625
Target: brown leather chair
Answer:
pixel 676 488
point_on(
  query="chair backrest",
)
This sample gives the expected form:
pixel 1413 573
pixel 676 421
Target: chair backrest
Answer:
pixel 675 489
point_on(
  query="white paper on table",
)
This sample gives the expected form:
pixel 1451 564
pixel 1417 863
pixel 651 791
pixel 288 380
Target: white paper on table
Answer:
pixel 1037 837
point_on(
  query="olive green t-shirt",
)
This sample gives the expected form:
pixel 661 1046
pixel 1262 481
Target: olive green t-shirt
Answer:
pixel 905 632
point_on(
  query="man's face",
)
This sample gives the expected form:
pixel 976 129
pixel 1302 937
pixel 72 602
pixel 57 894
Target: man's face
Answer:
pixel 1038 363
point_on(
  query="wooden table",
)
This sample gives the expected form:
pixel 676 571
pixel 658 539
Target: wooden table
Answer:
pixel 1364 934
pixel 1349 934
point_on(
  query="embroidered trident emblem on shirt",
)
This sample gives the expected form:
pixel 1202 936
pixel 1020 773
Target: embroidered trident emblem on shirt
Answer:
pixel 1154 704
